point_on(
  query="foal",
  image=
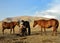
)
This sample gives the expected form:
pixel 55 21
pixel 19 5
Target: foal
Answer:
pixel 10 25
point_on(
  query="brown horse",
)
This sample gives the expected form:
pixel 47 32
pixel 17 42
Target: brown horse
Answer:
pixel 9 25
pixel 47 24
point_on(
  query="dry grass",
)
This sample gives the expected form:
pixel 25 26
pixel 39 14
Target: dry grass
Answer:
pixel 35 36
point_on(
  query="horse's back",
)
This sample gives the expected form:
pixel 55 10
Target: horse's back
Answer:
pixel 48 23
pixel 7 24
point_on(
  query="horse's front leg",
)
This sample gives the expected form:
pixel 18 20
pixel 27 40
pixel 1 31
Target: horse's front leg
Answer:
pixel 41 30
pixel 13 31
pixel 10 31
pixel 3 31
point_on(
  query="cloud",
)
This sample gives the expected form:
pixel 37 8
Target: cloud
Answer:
pixel 52 12
pixel 49 16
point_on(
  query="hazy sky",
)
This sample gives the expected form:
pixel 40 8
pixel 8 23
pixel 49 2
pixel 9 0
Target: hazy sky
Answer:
pixel 44 8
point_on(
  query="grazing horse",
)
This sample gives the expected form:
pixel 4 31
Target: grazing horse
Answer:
pixel 47 24
pixel 26 24
pixel 9 25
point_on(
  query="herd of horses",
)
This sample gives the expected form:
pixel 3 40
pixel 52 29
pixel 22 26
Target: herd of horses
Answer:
pixel 26 30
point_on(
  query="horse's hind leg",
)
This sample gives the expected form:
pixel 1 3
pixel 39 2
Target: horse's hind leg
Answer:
pixel 41 31
pixel 10 31
pixel 13 31
pixel 54 31
pixel 45 31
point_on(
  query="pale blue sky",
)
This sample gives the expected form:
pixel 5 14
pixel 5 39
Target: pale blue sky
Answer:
pixel 13 8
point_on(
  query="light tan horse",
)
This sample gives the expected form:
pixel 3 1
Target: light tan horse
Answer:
pixel 47 24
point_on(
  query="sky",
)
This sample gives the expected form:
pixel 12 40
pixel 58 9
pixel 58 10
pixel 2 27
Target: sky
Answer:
pixel 38 8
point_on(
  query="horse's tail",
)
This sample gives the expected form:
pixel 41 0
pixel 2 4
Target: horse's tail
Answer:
pixel 57 24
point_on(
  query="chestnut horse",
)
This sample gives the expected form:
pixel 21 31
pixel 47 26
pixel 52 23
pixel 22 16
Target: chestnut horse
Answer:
pixel 47 24
pixel 9 25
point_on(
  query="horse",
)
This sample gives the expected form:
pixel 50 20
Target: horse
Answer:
pixel 10 25
pixel 47 24
pixel 26 24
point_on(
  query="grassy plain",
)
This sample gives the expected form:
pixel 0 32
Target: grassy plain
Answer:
pixel 35 36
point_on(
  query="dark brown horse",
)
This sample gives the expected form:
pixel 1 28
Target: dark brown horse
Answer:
pixel 47 24
pixel 9 25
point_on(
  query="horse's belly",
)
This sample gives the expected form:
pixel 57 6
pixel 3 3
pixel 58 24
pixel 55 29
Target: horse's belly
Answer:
pixel 46 26
pixel 7 27
pixel 49 26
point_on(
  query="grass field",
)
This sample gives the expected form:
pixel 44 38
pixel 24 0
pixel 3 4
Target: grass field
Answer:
pixel 35 36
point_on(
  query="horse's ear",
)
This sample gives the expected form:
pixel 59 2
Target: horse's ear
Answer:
pixel 22 20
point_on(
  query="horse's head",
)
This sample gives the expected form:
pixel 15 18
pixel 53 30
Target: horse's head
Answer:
pixel 22 20
pixel 17 23
pixel 35 23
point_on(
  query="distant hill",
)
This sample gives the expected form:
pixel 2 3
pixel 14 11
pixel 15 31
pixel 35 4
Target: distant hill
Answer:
pixel 28 18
